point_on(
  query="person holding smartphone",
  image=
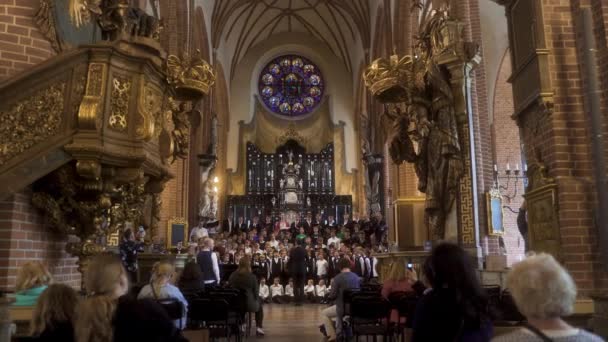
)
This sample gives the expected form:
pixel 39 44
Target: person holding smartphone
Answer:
pixel 400 278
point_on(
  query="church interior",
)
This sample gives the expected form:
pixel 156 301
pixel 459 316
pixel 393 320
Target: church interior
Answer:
pixel 229 134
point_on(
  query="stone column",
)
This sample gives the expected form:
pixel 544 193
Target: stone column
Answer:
pixel 460 60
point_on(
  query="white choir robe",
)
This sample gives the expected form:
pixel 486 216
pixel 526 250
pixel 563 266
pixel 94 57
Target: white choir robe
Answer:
pixel 264 292
pixel 276 290
pixel 321 290
pixel 289 290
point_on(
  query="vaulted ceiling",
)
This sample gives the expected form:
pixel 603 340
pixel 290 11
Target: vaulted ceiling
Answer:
pixel 343 25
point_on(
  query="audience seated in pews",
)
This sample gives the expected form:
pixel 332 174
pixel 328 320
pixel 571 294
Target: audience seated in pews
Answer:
pixel 243 279
pixel 456 303
pixel 161 288
pixel 32 279
pixel 107 314
pixel 544 292
pixel 53 316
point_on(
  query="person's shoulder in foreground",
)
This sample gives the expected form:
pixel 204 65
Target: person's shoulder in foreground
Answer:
pixel 571 335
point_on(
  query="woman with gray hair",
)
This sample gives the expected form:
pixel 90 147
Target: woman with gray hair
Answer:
pixel 544 292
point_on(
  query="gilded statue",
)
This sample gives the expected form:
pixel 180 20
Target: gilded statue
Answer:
pixel 420 109
pixel 115 18
pixel 181 128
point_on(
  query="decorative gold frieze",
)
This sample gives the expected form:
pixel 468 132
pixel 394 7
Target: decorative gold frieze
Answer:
pixel 119 103
pixel 191 76
pixel 31 121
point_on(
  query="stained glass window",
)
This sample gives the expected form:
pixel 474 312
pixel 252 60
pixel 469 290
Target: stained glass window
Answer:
pixel 291 85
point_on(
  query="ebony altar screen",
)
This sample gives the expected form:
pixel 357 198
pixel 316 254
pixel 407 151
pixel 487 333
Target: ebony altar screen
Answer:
pixel 290 181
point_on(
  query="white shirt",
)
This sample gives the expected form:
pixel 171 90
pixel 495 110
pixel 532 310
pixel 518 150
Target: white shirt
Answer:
pixel 322 290
pixel 309 289
pixel 289 290
pixel 276 290
pixel 335 240
pixel 264 291
pixel 322 266
pixel 274 244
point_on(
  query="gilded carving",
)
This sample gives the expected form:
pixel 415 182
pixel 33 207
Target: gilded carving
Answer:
pixel 543 210
pixel 119 103
pixel 191 75
pixel 291 134
pixel 180 135
pixel 91 105
pixel 45 21
pixel 149 112
pixel 422 111
pixel 30 121
pixel 115 18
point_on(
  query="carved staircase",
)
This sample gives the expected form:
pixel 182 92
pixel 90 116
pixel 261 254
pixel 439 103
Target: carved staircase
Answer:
pixel 94 130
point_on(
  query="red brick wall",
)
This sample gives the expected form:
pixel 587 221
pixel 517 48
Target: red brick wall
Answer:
pixel 563 141
pixel 21 44
pixel 506 143
pixel 24 237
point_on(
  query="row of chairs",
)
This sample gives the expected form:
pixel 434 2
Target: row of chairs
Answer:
pixel 221 310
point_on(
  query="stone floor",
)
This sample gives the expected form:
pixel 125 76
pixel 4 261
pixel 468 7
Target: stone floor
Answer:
pixel 287 323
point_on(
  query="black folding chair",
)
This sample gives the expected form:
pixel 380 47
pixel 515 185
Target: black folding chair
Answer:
pixel 370 316
pixel 174 308
pixel 405 304
pixel 214 313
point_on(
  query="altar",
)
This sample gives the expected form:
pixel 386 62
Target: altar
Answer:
pixel 288 185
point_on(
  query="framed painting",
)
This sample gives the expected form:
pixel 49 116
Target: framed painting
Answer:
pixel 495 213
pixel 177 231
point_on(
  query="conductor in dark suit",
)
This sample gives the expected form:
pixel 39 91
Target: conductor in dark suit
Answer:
pixel 297 269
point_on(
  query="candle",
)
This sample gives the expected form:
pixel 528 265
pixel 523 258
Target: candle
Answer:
pixel 516 167
pixel 508 167
pixel 495 168
pixel 526 167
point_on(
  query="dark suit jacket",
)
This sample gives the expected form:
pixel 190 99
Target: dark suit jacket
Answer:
pixel 297 260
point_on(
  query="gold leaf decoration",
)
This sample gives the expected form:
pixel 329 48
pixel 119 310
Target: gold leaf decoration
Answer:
pixel 121 91
pixel 31 121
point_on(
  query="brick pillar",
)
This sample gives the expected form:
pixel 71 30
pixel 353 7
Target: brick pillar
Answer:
pixel 24 237
pixel 21 44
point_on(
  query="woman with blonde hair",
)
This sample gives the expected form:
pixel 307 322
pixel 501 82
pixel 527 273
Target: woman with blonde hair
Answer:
pixel 53 315
pixel 544 292
pixel 244 280
pixel 161 288
pixel 108 315
pixel 32 279
pixel 400 278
